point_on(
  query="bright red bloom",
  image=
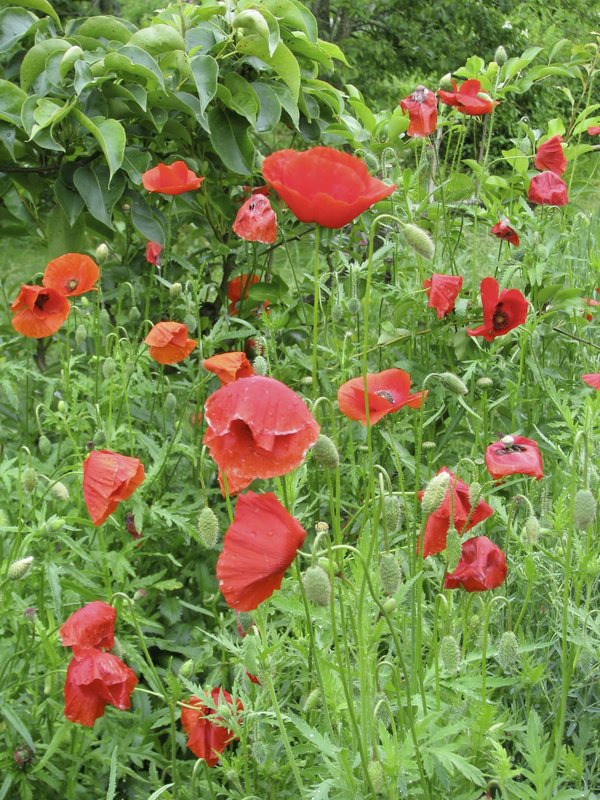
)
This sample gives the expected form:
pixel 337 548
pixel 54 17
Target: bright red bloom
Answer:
pixel 169 342
pixel 153 251
pixel 256 220
pixel 548 189
pixel 175 178
pixel 514 455
pixel 259 546
pixel 592 379
pixel 387 392
pixel 257 428
pixel 109 478
pixel 422 110
pixel 482 567
pixel 71 274
pixel 502 310
pixel 94 680
pixel 463 515
pixel 466 98
pixel 323 185
pixel 93 625
pixel 503 231
pixel 589 301
pixel 594 130
pixel 39 311
pixel 550 156
pixel 443 291
pixel 206 737
pixel 229 367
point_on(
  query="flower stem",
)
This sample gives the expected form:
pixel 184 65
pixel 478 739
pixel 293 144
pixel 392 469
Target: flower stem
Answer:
pixel 316 292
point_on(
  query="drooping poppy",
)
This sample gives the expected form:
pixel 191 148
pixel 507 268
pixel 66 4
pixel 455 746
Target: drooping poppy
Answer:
pixel 168 342
pixel 207 732
pixel 594 130
pixel 256 220
pixel 387 392
pixel 259 546
pixel 502 310
pixel 548 189
pixel 482 567
pixel 503 231
pixel 257 428
pixel 229 367
pixel 514 455
pixel 550 156
pixel 153 251
pixel 323 185
pixel 443 291
pixel 96 679
pixel 92 625
pixel 171 179
pixel 39 311
pixel 466 98
pixel 421 106
pixel 71 274
pixel 109 478
pixel 456 503
pixel 592 379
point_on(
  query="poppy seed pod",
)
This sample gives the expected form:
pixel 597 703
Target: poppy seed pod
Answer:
pixel 170 403
pixel 450 654
pixel 207 527
pixel 390 573
pixel 420 241
pixel 508 651
pixel 392 513
pixel 584 509
pixel 60 491
pixel 102 253
pixel 108 368
pixel 19 569
pixel 325 452
pixel 44 445
pixel 434 493
pixel 186 670
pixel 317 586
pixel 29 479
pixel 175 290
pixel 500 56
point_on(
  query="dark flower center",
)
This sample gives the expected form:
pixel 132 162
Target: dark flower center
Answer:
pixel 499 320
pixel 508 449
pixel 41 301
pixel 72 284
pixel 386 395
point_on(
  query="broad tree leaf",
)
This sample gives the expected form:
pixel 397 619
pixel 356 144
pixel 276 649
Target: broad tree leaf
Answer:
pixel 106 27
pixel 283 61
pixel 61 235
pixel 243 97
pixel 135 61
pixel 36 5
pixel 11 101
pixel 269 112
pixel 229 137
pixel 35 59
pixel 294 16
pixel 205 71
pixel 92 183
pixel 14 24
pixel 110 135
pixel 147 220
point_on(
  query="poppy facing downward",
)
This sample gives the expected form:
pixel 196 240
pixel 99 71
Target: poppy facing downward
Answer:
pixel 96 679
pixel 514 455
pixel 387 392
pixel 229 367
pixel 153 251
pixel 550 156
pixel 207 734
pixel 482 567
pixel 39 311
pixel 168 342
pixel 92 625
pixel 466 98
pixel 502 310
pixel 503 231
pixel 443 291
pixel 71 274
pixel 171 179
pixel 592 379
pixel 548 189
pixel 256 220
pixel 109 478
pixel 422 110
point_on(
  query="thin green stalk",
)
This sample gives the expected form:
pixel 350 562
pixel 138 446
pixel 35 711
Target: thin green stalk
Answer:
pixel 315 331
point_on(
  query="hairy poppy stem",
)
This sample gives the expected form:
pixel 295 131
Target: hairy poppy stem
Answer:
pixel 316 292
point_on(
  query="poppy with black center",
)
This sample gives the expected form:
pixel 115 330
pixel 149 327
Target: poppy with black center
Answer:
pixel 502 310
pixel 71 274
pixel 387 392
pixel 514 455
pixel 39 311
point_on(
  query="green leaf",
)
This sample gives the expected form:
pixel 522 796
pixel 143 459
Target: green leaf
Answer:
pixel 14 24
pixel 229 137
pixel 205 71
pixel 282 61
pixel 289 105
pixel 92 183
pixel 112 780
pixel 13 719
pixel 294 16
pixel 63 236
pixel 157 39
pixel 110 135
pixel 34 63
pixel 261 22
pixel 71 203
pixel 135 61
pixel 135 163
pixel 36 5
pixel 148 221
pixel 243 98
pixel 11 101
pixel 269 111
pixel 104 27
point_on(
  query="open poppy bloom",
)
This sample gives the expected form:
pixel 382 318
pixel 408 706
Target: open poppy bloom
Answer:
pixel 323 185
pixel 592 379
pixel 550 156
pixel 169 342
pixel 443 291
pixel 482 567
pixel 514 455
pixel 421 106
pixel 257 428
pixel 153 251
pixel 109 478
pixel 206 737
pixel 256 220
pixel 459 505
pixel 503 231
pixel 175 178
pixel 548 189
pixel 466 98
pixel 96 679
pixel 71 274
pixel 387 392
pixel 502 310
pixel 93 625
pixel 39 311
pixel 259 546
pixel 229 367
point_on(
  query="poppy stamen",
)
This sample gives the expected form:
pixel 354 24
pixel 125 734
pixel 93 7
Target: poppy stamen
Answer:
pixel 500 320
pixel 41 300
pixel 385 394
pixel 72 284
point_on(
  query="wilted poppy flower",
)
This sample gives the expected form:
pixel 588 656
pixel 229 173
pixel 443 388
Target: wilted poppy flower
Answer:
pixel 550 156
pixel 422 111
pixel 257 428
pixel 443 291
pixel 547 189
pixel 323 185
pixel 153 251
pixel 109 478
pixel 594 130
pixel 207 734
pixel 96 679
pixel 169 342
pixel 71 274
pixel 466 98
pixel 93 625
pixel 463 515
pixel 256 220
pixel 482 567
pixel 592 379
pixel 259 546
pixel 229 367
pixel 514 455
pixel 39 311
pixel 502 310
pixel 175 178
pixel 503 231
pixel 387 392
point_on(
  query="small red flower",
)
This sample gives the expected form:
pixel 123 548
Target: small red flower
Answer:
pixel 502 310
pixel 153 251
pixel 237 290
pixel 589 301
pixel 514 455
pixel 71 274
pixel 503 231
pixel 594 130
pixel 109 478
pixel 482 567
pixel 175 178
pixel 256 220
pixel 94 680
pixel 93 625
pixel 253 678
pixel 229 367
pixel 466 98
pixel 421 106
pixel 259 546
pixel 443 291
pixel 39 311
pixel 207 734
pixel 387 392
pixel 168 342
pixel 592 379
pixel 548 189
pixel 323 185
pixel 550 156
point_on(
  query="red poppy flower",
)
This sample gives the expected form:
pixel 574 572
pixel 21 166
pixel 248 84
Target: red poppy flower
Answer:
pixel 39 311
pixel 323 185
pixel 237 290
pixel 422 110
pixel 482 567
pixel 502 310
pixel 229 367
pixel 589 301
pixel 547 189
pixel 153 251
pixel 71 274
pixel 259 546
pixel 109 478
pixel 93 625
pixel 594 130
pixel 256 220
pixel 514 455
pixel 466 98
pixel 169 343
pixel 207 735
pixel 387 392
pixel 592 379
pixel 463 514
pixel 257 428
pixel 550 156
pixel 175 178
pixel 94 680
pixel 503 231
pixel 443 291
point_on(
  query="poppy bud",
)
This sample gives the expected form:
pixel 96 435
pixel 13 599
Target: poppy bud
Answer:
pixel 453 549
pixel 134 314
pixel 259 752
pixel 325 452
pixel 446 80
pixel 186 670
pixel 500 56
pixel 390 573
pixel 390 605
pixel 434 493
pixel 450 654
pixel 44 445
pixel 376 776
pixel 104 318
pixel 245 620
pixel 30 613
pixel 260 365
pixel 584 510
pixel 170 403
pixel 453 383
pixel 474 493
pixel 324 563
pixel 392 513
pixel 80 335
pixel 139 594
pixel 532 529
pixel 55 524
pixel 19 569
pixel 317 586
pixel 29 479
pixel 108 368
pixel 508 651
pixel 485 382
pixel 312 701
pixel 175 290
pixel 101 253
pixel 337 312
pixel 207 527
pixel 420 241
pixel 126 208
pixel 321 527
pixel 117 649
pixel 428 445
pixel 354 306
pixel 23 755
pixel 61 406
pixel 190 322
